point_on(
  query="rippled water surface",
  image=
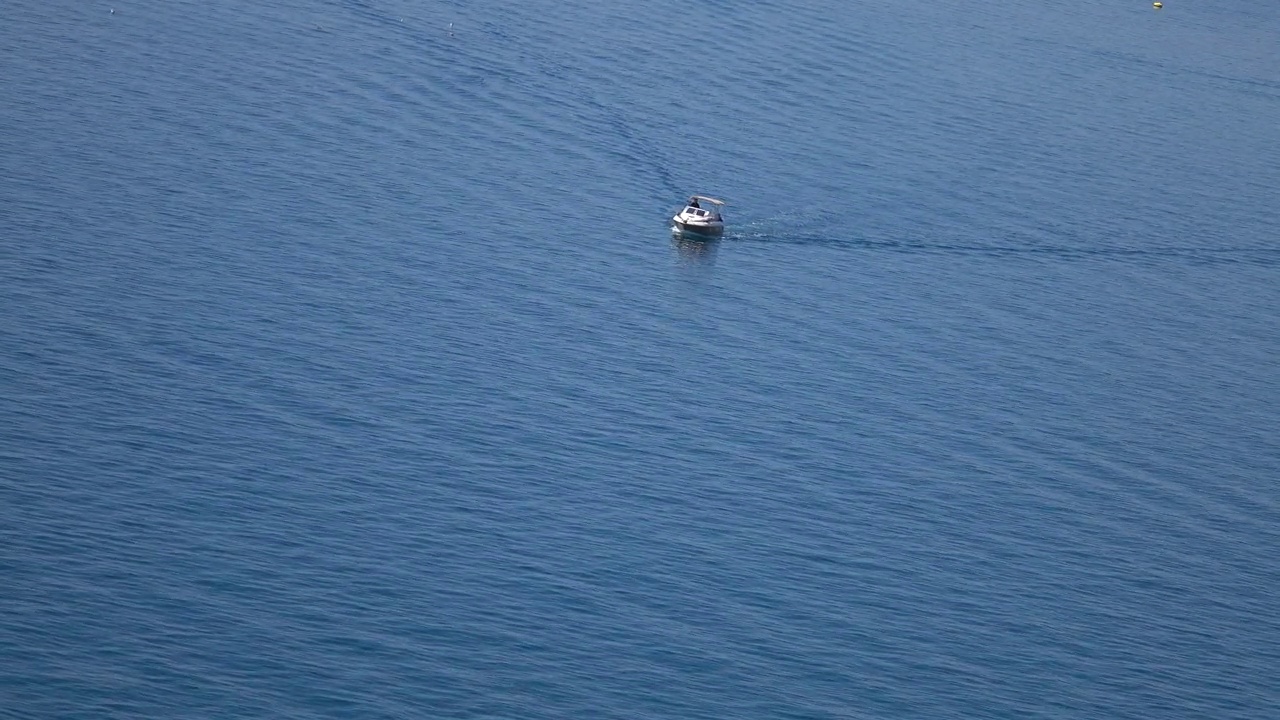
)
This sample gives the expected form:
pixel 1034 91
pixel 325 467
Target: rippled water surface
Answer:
pixel 350 369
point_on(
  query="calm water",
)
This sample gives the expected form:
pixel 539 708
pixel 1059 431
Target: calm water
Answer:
pixel 349 368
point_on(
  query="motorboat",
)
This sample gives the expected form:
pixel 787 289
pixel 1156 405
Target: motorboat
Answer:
pixel 701 216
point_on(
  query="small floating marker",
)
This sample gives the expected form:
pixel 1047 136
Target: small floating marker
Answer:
pixel 1157 5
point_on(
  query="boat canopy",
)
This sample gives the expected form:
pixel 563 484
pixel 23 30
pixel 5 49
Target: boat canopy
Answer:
pixel 704 198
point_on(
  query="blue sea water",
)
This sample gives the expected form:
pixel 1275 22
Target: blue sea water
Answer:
pixel 349 368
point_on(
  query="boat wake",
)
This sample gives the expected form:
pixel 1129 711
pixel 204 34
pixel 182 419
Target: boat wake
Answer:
pixel 769 232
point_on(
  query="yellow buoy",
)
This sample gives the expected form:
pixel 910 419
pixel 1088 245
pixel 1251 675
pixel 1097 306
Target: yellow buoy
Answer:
pixel 1157 5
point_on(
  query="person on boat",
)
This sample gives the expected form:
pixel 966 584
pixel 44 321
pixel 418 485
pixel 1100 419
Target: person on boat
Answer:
pixel 693 203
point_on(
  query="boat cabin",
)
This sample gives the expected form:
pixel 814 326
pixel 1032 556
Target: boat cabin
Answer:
pixel 702 207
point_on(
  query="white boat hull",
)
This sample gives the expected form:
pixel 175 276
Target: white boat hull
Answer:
pixel 707 228
pixel 700 217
